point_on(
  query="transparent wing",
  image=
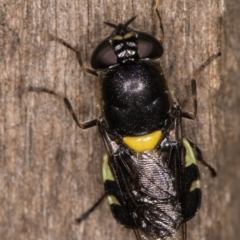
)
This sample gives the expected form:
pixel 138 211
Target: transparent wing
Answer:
pixel 149 190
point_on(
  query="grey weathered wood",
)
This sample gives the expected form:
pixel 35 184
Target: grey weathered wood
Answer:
pixel 51 170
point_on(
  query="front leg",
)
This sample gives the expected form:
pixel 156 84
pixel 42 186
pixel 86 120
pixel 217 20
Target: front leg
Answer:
pixel 82 125
pixel 77 52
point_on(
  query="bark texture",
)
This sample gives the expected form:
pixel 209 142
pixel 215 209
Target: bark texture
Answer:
pixel 51 170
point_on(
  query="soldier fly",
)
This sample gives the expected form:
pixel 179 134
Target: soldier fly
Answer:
pixel 150 173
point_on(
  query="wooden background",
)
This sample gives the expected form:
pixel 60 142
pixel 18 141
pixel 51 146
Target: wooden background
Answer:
pixel 50 171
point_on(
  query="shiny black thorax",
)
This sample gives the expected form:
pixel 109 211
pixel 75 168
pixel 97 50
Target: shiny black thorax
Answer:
pixel 135 98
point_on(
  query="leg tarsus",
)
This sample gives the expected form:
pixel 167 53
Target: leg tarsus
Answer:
pixel 158 17
pixel 83 125
pixel 90 210
pixel 192 115
pixel 198 71
pixel 77 52
pixel 199 157
pixel 184 230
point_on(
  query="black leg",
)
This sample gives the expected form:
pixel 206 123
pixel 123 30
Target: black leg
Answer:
pixel 91 209
pixel 205 64
pixel 77 52
pixel 158 17
pixel 83 125
pixel 199 157
pixel 184 230
pixel 192 115
pixel 177 114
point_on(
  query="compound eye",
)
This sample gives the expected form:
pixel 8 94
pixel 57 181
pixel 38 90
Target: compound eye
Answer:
pixel 103 56
pixel 148 46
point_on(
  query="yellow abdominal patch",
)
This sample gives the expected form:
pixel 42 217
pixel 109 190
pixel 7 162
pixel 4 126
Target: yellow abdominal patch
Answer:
pixel 144 142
